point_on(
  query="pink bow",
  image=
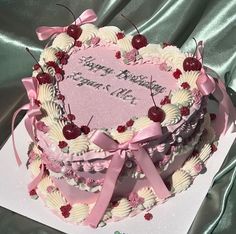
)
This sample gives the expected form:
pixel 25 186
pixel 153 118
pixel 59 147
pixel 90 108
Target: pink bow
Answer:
pixel 45 32
pixel 120 153
pixel 207 85
pixel 30 84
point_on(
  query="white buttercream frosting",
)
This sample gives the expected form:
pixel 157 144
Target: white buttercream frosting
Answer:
pixel 150 51
pixel 122 210
pixel 48 54
pixel 55 200
pixel 53 110
pixel 88 32
pixel 205 152
pixel 181 180
pixel 34 167
pixel 141 123
pixel 172 114
pixel 44 184
pixel 78 145
pixel 189 166
pixel 78 213
pixel 182 97
pixel 125 44
pixel 123 136
pixel 172 56
pixel 55 132
pixel 108 33
pixel 190 77
pixel 148 196
pixel 46 92
pixel 63 42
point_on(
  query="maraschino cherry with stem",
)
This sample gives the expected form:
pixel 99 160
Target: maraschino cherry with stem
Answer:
pixel 73 30
pixel 192 63
pixel 138 40
pixel 71 130
pixel 85 128
pixel 155 113
pixel 42 77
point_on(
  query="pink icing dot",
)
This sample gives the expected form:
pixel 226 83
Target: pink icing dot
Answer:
pixel 198 167
pixel 95 40
pixel 41 126
pixel 163 67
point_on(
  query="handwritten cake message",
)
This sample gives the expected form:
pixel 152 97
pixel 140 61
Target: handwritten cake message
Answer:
pixel 102 75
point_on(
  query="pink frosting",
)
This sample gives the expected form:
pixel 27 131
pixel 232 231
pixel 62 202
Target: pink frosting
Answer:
pixel 115 98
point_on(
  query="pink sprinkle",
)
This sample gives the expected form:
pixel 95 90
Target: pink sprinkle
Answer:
pixel 41 126
pixel 198 167
pixel 163 67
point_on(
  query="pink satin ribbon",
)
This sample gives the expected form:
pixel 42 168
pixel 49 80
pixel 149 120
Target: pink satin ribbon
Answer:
pixel 207 85
pixel 119 152
pixel 45 32
pixel 33 110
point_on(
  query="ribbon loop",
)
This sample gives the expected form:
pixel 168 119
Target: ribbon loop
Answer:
pixel 119 156
pixel 33 110
pixel 44 32
pixel 207 85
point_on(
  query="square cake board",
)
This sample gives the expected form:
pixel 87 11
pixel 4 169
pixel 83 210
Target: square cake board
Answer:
pixel 174 216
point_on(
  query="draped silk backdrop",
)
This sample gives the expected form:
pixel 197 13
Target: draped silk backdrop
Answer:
pixel 172 21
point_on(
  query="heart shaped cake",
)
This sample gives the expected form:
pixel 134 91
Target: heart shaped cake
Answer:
pixel 118 124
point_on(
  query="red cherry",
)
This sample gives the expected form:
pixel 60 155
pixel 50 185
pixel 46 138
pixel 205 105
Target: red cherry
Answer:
pixel 71 131
pixel 44 78
pixel 156 114
pixel 74 31
pixel 85 129
pixel 192 64
pixel 121 128
pixel 139 41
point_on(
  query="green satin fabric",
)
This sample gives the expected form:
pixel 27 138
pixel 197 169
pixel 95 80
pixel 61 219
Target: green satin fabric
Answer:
pixel 173 21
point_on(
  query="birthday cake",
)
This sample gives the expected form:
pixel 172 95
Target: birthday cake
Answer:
pixel 118 124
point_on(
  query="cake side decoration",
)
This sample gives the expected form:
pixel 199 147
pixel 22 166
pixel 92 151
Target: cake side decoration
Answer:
pixel 92 173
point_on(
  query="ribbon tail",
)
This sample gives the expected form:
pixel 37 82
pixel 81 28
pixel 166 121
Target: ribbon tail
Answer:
pixel 151 173
pixel 106 193
pixel 226 113
pixel 25 107
pixel 34 183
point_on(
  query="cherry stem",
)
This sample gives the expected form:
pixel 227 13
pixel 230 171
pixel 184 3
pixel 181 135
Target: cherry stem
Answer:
pixel 131 23
pixel 58 4
pixel 28 50
pixel 90 120
pixel 152 93
pixel 69 111
pixel 196 46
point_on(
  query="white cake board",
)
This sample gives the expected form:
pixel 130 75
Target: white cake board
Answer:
pixel 174 216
